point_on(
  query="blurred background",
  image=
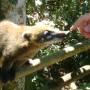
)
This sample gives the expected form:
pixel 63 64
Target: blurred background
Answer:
pixel 63 13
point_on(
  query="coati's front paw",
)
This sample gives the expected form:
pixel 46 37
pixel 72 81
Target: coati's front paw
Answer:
pixel 8 75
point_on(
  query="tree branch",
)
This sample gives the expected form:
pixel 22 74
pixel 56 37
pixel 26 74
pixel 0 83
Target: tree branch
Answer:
pixel 53 58
pixel 72 76
pixel 75 75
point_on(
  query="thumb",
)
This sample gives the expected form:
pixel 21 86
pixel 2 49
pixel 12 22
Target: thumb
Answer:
pixel 73 27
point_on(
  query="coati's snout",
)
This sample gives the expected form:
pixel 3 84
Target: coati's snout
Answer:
pixel 45 34
pixel 51 36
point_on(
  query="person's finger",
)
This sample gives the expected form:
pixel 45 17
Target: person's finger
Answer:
pixel 82 21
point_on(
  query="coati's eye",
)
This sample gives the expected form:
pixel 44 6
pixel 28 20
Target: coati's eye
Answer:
pixel 46 36
pixel 46 32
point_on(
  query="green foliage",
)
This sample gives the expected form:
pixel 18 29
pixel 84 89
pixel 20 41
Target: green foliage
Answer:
pixel 85 86
pixel 64 13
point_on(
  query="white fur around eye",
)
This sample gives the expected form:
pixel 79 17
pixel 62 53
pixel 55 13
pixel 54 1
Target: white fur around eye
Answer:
pixel 45 32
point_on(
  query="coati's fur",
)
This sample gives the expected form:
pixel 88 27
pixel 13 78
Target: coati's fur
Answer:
pixel 18 43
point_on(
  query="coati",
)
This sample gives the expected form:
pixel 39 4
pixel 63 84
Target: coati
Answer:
pixel 18 43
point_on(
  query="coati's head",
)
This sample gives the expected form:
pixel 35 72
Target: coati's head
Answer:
pixel 42 34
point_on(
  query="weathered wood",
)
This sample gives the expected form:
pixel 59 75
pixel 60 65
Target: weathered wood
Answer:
pixel 54 58
pixel 72 76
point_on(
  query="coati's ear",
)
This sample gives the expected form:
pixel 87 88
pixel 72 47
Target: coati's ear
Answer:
pixel 26 36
